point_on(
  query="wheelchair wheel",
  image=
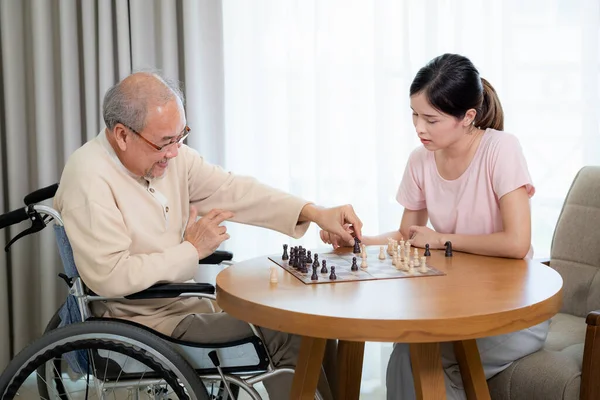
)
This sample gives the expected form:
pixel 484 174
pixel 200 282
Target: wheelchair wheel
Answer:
pixel 46 374
pixel 102 359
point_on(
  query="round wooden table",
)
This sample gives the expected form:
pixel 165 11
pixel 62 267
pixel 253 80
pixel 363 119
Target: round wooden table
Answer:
pixel 479 296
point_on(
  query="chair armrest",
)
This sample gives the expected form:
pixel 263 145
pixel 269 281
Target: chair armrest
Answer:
pixel 170 290
pixel 590 368
pixel 545 261
pixel 217 257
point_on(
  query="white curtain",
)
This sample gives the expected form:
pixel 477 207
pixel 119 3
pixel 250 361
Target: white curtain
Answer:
pixel 316 100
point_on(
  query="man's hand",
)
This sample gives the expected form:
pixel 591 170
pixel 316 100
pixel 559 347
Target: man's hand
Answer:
pixel 422 235
pixel 341 222
pixel 207 233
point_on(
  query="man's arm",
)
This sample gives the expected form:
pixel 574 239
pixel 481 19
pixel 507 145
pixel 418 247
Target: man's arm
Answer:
pixel 101 245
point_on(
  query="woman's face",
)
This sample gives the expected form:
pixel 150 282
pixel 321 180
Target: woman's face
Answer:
pixel 435 129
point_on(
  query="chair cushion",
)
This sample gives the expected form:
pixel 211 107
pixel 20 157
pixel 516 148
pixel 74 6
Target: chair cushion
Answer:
pixel 553 373
pixel 574 251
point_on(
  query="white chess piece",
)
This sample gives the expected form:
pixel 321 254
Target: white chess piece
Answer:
pixel 416 253
pixel 363 264
pixel 423 267
pixel 389 247
pixel 381 253
pixel 411 267
pixel 395 259
pixel 274 278
pixel 363 251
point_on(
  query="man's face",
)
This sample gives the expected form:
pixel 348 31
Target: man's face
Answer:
pixel 164 124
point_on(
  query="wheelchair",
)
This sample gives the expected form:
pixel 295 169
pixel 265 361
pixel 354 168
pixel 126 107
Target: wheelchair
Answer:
pixel 82 356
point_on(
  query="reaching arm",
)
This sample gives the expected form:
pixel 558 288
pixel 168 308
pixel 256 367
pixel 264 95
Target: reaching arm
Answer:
pixel 513 241
pixel 409 218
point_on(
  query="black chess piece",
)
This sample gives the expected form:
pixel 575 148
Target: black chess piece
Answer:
pixel 324 268
pixel 354 267
pixel 356 249
pixel 427 252
pixel 316 258
pixel 448 245
pixel 314 276
pixel 308 258
pixel 332 276
pixel 285 255
pixel 316 262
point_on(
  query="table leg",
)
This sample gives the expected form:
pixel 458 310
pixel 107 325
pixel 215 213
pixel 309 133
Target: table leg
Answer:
pixel 471 370
pixel 349 370
pixel 308 368
pixel 428 374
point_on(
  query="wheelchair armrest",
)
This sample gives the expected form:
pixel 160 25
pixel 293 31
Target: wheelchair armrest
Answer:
pixel 217 257
pixel 170 290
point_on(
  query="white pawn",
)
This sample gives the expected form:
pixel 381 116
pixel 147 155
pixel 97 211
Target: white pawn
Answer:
pixel 404 266
pixel 390 245
pixel 423 267
pixel 363 264
pixel 274 278
pixel 416 253
pixel 407 248
pixel 363 251
pixel 411 267
pixel 381 253
pixel 416 261
pixel 394 259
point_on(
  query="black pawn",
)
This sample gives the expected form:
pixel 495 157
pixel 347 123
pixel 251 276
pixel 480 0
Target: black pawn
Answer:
pixel 324 268
pixel 308 258
pixel 354 267
pixel 316 262
pixel 316 258
pixel 332 275
pixel 448 249
pixel 285 256
pixel 356 249
pixel 427 252
pixel 314 276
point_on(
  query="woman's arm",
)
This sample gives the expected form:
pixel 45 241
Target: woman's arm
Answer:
pixel 514 241
pixel 409 218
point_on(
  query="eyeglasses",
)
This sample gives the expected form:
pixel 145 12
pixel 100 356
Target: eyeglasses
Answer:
pixel 175 140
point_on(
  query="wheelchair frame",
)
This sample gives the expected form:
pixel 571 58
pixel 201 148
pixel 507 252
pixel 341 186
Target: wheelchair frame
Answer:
pixel 243 377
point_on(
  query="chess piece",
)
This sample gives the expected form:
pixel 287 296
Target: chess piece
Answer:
pixel 273 277
pixel 316 262
pixel 363 264
pixel 354 266
pixel 332 276
pixel 381 253
pixel 394 259
pixel 308 258
pixel 389 247
pixel 356 248
pixel 448 245
pixel 314 276
pixel 316 258
pixel 363 251
pixel 423 267
pixel 416 253
pixel 411 267
pixel 416 261
pixel 285 256
pixel 324 268
pixel 427 252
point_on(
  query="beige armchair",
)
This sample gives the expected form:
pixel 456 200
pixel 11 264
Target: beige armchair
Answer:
pixel 568 366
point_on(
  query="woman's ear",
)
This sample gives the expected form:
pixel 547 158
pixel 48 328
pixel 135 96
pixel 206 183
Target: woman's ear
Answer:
pixel 469 117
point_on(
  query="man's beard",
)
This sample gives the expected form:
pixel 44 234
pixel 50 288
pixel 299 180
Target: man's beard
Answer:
pixel 149 175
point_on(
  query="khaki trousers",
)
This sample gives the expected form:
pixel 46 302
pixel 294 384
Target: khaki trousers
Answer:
pixel 220 327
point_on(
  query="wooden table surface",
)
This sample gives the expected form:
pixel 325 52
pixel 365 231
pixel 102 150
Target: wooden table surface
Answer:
pixel 479 296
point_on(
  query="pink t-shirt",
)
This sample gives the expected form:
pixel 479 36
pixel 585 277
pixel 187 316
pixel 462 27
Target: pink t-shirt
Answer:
pixel 468 205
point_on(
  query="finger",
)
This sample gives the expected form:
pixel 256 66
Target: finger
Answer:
pixel 357 224
pixel 193 216
pixel 324 237
pixel 221 230
pixel 221 217
pixel 345 236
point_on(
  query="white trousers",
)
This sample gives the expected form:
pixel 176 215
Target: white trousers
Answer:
pixel 496 352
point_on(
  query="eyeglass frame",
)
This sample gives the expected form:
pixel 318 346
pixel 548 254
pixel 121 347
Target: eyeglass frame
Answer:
pixel 176 140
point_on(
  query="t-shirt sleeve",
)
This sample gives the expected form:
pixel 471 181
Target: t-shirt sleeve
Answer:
pixel 509 167
pixel 410 193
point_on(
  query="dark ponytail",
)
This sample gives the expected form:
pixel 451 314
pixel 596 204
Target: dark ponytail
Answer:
pixel 490 114
pixel 453 86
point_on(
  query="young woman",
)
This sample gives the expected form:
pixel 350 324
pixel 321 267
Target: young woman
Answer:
pixel 470 180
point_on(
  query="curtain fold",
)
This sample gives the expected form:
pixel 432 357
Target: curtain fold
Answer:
pixel 58 59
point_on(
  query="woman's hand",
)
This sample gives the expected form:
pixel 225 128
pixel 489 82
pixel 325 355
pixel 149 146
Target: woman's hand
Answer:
pixel 422 235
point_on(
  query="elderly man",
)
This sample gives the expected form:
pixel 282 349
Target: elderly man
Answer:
pixel 130 198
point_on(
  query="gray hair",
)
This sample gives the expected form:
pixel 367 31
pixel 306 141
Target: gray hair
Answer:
pixel 127 102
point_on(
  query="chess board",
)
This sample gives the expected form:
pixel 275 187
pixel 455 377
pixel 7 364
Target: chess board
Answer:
pixel 377 269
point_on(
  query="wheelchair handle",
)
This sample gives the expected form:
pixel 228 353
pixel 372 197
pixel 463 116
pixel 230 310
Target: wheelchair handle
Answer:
pixel 41 194
pixel 13 217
